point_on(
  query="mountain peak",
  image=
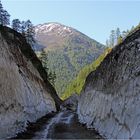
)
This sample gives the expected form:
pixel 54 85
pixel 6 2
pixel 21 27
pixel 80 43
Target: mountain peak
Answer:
pixel 53 27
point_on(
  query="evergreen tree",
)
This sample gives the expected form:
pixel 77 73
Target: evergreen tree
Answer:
pixel 115 37
pixel 4 16
pixel 44 59
pixel 118 34
pixel 112 38
pixel 52 77
pixel 127 32
pixel 1 14
pixel 124 34
pixel 107 43
pixel 132 28
pixel 29 32
pixel 23 28
pixel 16 25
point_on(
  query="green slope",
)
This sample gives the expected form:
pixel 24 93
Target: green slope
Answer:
pixel 77 84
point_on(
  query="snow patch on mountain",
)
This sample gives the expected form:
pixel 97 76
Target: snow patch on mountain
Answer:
pixel 53 28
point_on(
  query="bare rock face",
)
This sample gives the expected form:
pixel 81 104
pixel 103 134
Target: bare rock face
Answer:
pixel 110 100
pixel 24 95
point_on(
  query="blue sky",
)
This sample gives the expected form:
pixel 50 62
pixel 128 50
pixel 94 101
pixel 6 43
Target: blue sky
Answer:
pixel 93 18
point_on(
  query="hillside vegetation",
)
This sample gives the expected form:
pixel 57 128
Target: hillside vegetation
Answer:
pixel 77 84
pixel 67 51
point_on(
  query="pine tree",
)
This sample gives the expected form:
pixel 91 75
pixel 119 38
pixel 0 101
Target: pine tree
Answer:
pixel 112 38
pixel 23 28
pixel 16 25
pixel 1 14
pixel 118 34
pixel 44 59
pixel 29 32
pixel 127 32
pixel 52 77
pixel 107 43
pixel 4 16
pixel 132 28
pixel 124 34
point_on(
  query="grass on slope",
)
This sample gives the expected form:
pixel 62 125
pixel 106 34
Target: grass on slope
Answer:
pixel 77 84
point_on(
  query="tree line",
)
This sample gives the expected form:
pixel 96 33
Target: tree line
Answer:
pixel 116 36
pixel 26 28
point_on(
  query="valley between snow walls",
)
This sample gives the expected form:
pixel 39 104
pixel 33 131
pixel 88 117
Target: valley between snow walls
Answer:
pixel 110 100
pixel 25 93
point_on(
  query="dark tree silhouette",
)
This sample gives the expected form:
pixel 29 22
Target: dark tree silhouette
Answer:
pixel 51 75
pixel 44 60
pixel 16 25
pixel 52 78
pixel 1 13
pixel 112 38
pixel 23 28
pixel 4 16
pixel 27 29
pixel 30 33
pixel 118 34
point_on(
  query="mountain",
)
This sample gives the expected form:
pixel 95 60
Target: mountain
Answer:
pixel 25 93
pixel 110 99
pixel 68 51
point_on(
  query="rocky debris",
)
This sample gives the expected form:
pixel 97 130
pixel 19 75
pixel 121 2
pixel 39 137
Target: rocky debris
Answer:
pixel 110 100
